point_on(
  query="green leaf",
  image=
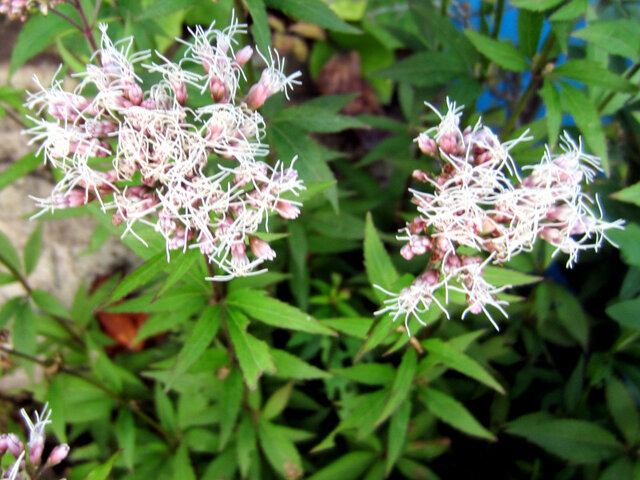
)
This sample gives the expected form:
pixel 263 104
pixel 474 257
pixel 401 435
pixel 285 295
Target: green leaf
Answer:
pixel 246 445
pixel 19 169
pixel 165 411
pixel 279 450
pixel 201 336
pixel 626 313
pixel 570 11
pixel 535 5
pixel 629 242
pixel 182 469
pixel 425 69
pixel 553 115
pixel 291 141
pixel 380 269
pixel 102 472
pixel 401 384
pixel 8 254
pixel 230 403
pixel 350 466
pixel 32 250
pixel 452 412
pixel 260 25
pixel 577 441
pixel 368 373
pixel 49 304
pixel 290 366
pixel 453 358
pixel 529 29
pixel 253 354
pixel 180 266
pixel 314 11
pixel 140 276
pixel 588 120
pixel 571 316
pixel 592 73
pixel 397 435
pixel 317 119
pixel 355 326
pixel 500 276
pixel 24 330
pixel 125 432
pixel 502 53
pixel 56 397
pixel 629 194
pixel 164 7
pixel 277 402
pixel 37 34
pixel 273 312
pixel 619 37
pixel 623 410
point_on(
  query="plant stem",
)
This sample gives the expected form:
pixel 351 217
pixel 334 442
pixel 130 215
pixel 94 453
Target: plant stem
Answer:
pixel 632 71
pixel 86 29
pixel 536 70
pixel 67 19
pixel 498 19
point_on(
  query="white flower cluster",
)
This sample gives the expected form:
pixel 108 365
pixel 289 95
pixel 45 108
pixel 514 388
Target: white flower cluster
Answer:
pixel 474 203
pixel 193 174
pixel 11 443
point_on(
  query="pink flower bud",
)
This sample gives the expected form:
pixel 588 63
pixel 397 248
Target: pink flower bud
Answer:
pixel 180 91
pixel 257 95
pixel 261 249
pixel 420 175
pixel 427 145
pixel 244 55
pixel 239 249
pixel 3 444
pixel 149 104
pixel 407 252
pixel 449 143
pixel 14 444
pixel 217 88
pixel 58 454
pixel 35 450
pixel 287 210
pixel 431 277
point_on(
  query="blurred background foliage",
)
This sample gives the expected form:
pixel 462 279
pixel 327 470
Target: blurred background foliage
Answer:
pixel 290 375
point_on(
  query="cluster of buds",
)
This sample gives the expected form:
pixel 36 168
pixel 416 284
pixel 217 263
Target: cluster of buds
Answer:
pixel 20 9
pixel 479 202
pixel 193 174
pixel 29 459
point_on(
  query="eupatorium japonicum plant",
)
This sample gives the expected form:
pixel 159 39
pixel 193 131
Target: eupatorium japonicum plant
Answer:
pixel 195 175
pixel 479 201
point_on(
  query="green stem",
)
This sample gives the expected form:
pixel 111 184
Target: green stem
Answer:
pixel 632 71
pixel 536 70
pixel 498 19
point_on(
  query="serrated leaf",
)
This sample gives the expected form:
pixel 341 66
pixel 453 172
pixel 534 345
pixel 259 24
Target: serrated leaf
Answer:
pixel 125 432
pixel 165 411
pixel 32 250
pixel 140 276
pixel 291 366
pixel 37 34
pixel 8 254
pixel 354 326
pixel 182 469
pixel 500 52
pixel 279 450
pixel 314 11
pixel 277 402
pixel 164 7
pixel 500 276
pixel 592 73
pixel 586 116
pixel 24 330
pixel 350 466
pixel 19 169
pixel 461 362
pixel 260 25
pixel 201 336
pixel 553 115
pixel 577 441
pixel 570 11
pixel 49 304
pixel 619 37
pixel 401 384
pixel 380 269
pixel 629 194
pixel 273 312
pixel 253 354
pixel 368 373
pixel 398 427
pixel 529 30
pixel 535 5
pixel 179 268
pixel 229 404
pixel 425 69
pixel 317 119
pixel 102 472
pixel 624 410
pixel 452 412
